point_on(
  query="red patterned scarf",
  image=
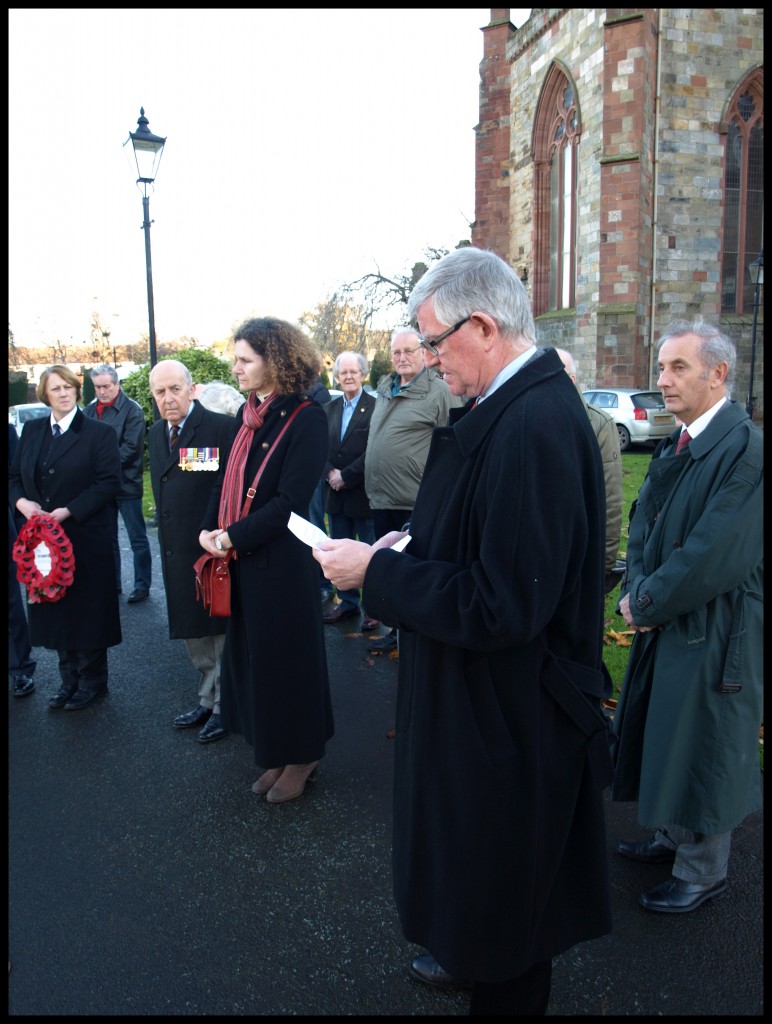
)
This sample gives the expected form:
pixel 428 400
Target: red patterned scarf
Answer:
pixel 233 481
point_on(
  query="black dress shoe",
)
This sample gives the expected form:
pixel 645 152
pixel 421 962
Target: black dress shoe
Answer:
pixel 368 624
pixel 384 645
pixel 426 969
pixel 60 698
pixel 191 718
pixel 138 595
pixel 651 851
pixel 23 686
pixel 82 698
pixel 341 612
pixel 675 896
pixel 213 730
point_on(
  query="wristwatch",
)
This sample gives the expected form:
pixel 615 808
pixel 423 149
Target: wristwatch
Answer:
pixel 218 543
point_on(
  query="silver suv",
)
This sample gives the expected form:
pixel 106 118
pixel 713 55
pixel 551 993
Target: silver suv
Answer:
pixel 640 416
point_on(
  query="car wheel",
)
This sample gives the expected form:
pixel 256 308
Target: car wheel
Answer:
pixel 624 437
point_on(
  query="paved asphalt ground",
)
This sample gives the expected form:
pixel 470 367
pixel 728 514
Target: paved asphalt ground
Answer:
pixel 146 879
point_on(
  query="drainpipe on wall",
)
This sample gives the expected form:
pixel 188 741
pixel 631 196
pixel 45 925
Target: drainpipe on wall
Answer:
pixel 653 290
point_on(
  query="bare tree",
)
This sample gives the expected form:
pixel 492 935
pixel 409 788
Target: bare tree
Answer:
pixel 337 326
pixel 13 356
pixel 379 291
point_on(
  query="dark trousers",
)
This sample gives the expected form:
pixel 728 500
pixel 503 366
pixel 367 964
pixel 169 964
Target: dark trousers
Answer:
pixel 20 660
pixel 83 670
pixel 352 527
pixel 524 996
pixel 384 521
pixel 387 519
pixel 134 521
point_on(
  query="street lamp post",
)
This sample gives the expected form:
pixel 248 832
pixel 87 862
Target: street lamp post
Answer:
pixel 148 149
pixel 756 272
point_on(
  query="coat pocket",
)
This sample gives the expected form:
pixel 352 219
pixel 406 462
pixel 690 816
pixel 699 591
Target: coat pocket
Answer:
pixel 578 689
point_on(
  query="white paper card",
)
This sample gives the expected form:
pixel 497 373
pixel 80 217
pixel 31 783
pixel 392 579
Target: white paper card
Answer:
pixel 401 544
pixel 306 531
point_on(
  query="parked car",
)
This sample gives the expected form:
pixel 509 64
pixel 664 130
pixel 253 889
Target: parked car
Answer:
pixel 640 415
pixel 21 414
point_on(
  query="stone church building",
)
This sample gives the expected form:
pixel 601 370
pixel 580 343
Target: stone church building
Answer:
pixel 619 170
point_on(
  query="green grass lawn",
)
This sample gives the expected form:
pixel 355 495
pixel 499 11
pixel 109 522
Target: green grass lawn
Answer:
pixel 616 649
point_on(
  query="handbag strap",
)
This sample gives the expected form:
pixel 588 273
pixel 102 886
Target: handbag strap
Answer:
pixel 253 489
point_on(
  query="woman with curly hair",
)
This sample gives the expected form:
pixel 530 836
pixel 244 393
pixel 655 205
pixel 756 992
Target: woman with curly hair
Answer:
pixel 274 690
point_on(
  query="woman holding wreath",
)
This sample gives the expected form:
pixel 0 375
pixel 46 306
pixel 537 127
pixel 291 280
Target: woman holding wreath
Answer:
pixel 275 689
pixel 65 473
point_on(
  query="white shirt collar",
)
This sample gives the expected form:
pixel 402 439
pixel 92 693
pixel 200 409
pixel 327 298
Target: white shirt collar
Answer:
pixel 65 422
pixel 697 426
pixel 508 371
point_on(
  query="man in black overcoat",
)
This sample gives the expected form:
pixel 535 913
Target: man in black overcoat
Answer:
pixel 187 449
pixel 345 500
pixel 502 752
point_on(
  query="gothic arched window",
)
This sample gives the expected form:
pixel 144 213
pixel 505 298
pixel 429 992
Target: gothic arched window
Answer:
pixel 743 236
pixel 556 136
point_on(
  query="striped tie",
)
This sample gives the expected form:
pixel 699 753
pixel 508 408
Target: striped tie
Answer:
pixel 175 435
pixel 683 440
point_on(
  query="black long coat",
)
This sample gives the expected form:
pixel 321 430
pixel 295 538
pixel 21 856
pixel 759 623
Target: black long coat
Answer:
pixel 499 840
pixel 181 500
pixel 83 474
pixel 275 689
pixel 348 455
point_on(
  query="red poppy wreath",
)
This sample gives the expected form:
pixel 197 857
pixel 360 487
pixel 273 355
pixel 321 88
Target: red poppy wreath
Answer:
pixel 44 560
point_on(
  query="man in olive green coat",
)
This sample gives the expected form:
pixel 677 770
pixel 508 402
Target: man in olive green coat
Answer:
pixel 688 718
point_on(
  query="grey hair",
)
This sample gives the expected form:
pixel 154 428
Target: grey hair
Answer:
pixel 714 347
pixel 470 279
pixel 186 374
pixel 363 365
pixel 403 330
pixel 111 372
pixel 221 397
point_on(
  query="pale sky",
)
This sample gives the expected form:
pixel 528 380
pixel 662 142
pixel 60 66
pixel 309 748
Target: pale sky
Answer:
pixel 303 147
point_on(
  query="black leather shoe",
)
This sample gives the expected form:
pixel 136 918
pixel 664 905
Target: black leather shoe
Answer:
pixel 341 612
pixel 82 698
pixel 651 851
pixel 197 717
pixel 384 645
pixel 675 896
pixel 23 686
pixel 60 698
pixel 426 969
pixel 138 595
pixel 213 730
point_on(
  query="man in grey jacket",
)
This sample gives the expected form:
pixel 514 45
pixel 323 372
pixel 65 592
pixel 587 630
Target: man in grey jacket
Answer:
pixel 410 402
pixel 125 416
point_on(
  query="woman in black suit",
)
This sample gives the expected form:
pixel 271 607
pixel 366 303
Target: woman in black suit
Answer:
pixel 68 467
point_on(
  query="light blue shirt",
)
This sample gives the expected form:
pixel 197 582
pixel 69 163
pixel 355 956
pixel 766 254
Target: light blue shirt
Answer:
pixel 348 412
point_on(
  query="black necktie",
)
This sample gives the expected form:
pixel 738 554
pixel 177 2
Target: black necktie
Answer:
pixel 57 431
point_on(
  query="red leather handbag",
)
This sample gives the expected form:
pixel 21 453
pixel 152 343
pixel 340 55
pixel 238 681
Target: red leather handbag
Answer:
pixel 213 584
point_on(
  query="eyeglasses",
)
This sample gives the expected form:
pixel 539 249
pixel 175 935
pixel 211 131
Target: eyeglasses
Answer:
pixel 431 346
pixel 403 352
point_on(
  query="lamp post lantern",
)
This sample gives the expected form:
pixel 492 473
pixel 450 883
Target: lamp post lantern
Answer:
pixel 148 149
pixel 756 272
